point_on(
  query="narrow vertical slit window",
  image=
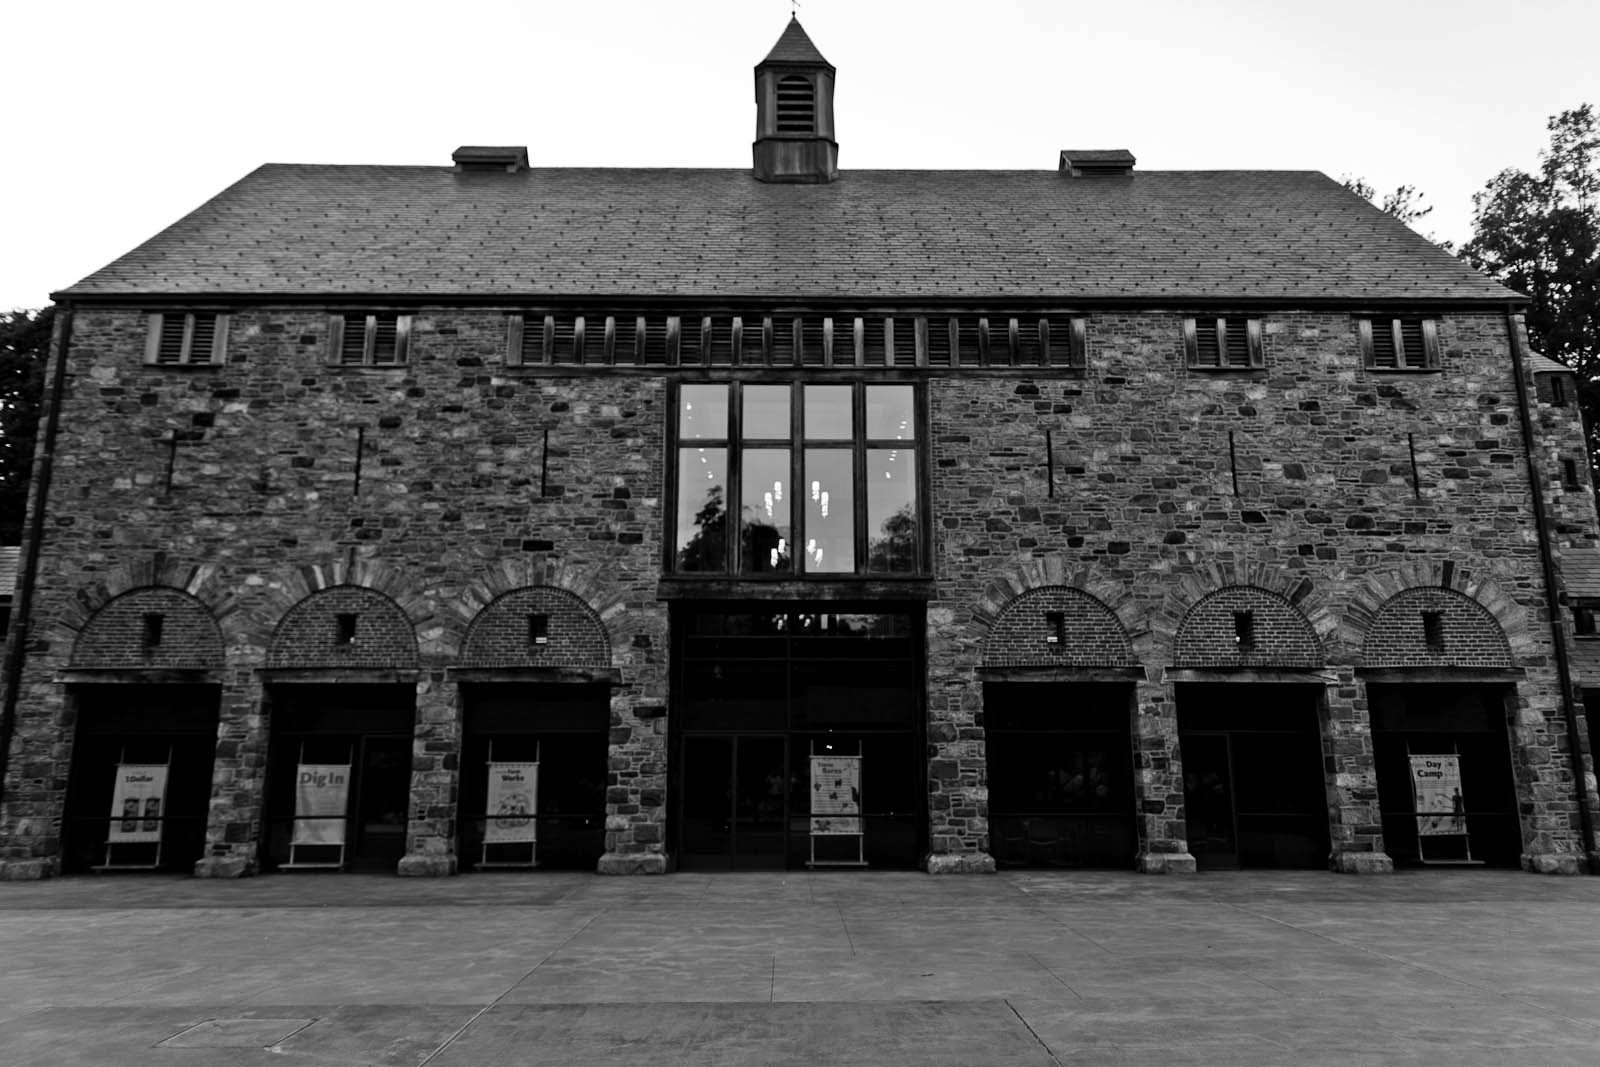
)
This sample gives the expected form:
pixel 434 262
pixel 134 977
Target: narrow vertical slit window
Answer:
pixel 538 629
pixel 154 623
pixel 1244 631
pixel 344 629
pixel 1569 473
pixel 1055 628
pixel 1433 632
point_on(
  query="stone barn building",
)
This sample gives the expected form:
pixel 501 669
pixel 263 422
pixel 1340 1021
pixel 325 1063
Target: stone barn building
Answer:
pixel 434 519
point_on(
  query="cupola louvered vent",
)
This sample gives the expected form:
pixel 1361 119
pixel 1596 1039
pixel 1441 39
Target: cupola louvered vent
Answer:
pixel 797 105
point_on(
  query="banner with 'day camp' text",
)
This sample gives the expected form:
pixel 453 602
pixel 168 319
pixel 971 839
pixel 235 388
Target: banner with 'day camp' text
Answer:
pixel 512 803
pixel 136 802
pixel 1436 781
pixel 321 795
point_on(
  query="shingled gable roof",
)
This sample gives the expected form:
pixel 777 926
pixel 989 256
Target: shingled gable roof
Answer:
pixel 795 47
pixel 431 233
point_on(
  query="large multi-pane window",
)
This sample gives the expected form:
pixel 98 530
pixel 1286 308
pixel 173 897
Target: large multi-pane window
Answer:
pixel 780 479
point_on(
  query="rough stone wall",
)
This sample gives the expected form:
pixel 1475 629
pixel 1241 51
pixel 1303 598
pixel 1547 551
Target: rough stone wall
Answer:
pixel 436 472
pixel 439 472
pixel 1303 469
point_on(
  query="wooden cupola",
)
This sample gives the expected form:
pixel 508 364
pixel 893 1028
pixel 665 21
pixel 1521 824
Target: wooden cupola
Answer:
pixel 794 113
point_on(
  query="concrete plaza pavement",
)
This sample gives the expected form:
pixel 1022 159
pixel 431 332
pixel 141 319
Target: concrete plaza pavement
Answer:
pixel 1458 966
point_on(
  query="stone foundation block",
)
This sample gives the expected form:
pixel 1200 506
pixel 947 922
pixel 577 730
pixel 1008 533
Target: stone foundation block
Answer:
pixel 959 863
pixel 632 863
pixel 1556 863
pixel 223 867
pixel 1166 863
pixel 426 865
pixel 26 870
pixel 1362 863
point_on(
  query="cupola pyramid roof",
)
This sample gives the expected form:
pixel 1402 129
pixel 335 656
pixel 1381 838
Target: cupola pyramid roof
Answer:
pixel 795 47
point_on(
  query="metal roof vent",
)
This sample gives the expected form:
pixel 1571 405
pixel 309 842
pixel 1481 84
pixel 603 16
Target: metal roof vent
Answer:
pixel 1096 162
pixel 507 158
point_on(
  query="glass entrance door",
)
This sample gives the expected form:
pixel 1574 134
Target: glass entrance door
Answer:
pixel 734 795
pixel 1208 797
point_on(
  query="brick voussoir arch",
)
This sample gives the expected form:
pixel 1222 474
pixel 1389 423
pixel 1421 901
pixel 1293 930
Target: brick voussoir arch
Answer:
pixel 198 581
pixel 289 590
pixel 1294 593
pixel 587 584
pixel 1083 585
pixel 1463 596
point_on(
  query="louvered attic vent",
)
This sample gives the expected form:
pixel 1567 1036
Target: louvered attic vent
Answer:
pixel 177 339
pixel 1400 344
pixel 1223 342
pixel 797 105
pixel 752 339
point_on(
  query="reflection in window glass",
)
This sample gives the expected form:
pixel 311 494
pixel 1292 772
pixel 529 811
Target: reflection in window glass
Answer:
pixel 766 540
pixel 766 412
pixel 828 413
pixel 891 509
pixel 702 509
pixel 830 510
pixel 889 413
pixel 703 412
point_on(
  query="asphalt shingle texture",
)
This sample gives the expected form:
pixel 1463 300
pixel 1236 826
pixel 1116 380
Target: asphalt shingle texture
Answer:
pixel 306 230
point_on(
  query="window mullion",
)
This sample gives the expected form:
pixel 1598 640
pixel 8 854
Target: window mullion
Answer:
pixel 797 473
pixel 858 452
pixel 369 345
pixel 733 524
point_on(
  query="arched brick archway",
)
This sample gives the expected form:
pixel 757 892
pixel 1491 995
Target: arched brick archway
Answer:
pixel 149 628
pixel 1245 626
pixel 588 592
pixel 1057 626
pixel 1467 600
pixel 500 635
pixel 197 584
pixel 347 626
pixel 1078 587
pixel 1464 633
pixel 1290 601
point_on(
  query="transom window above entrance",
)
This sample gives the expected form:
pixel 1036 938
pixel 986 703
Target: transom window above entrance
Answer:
pixel 783 478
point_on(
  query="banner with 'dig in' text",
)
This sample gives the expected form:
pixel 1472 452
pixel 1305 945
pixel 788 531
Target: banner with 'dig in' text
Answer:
pixel 321 796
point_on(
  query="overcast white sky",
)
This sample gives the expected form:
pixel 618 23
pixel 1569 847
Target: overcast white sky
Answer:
pixel 122 117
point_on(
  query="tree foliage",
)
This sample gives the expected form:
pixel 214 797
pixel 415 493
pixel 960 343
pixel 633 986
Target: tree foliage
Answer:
pixel 24 349
pixel 1539 233
pixel 1405 203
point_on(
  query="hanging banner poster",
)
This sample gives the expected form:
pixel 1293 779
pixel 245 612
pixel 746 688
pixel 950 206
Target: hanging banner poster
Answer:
pixel 835 795
pixel 1436 781
pixel 321 796
pixel 513 803
pixel 136 802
